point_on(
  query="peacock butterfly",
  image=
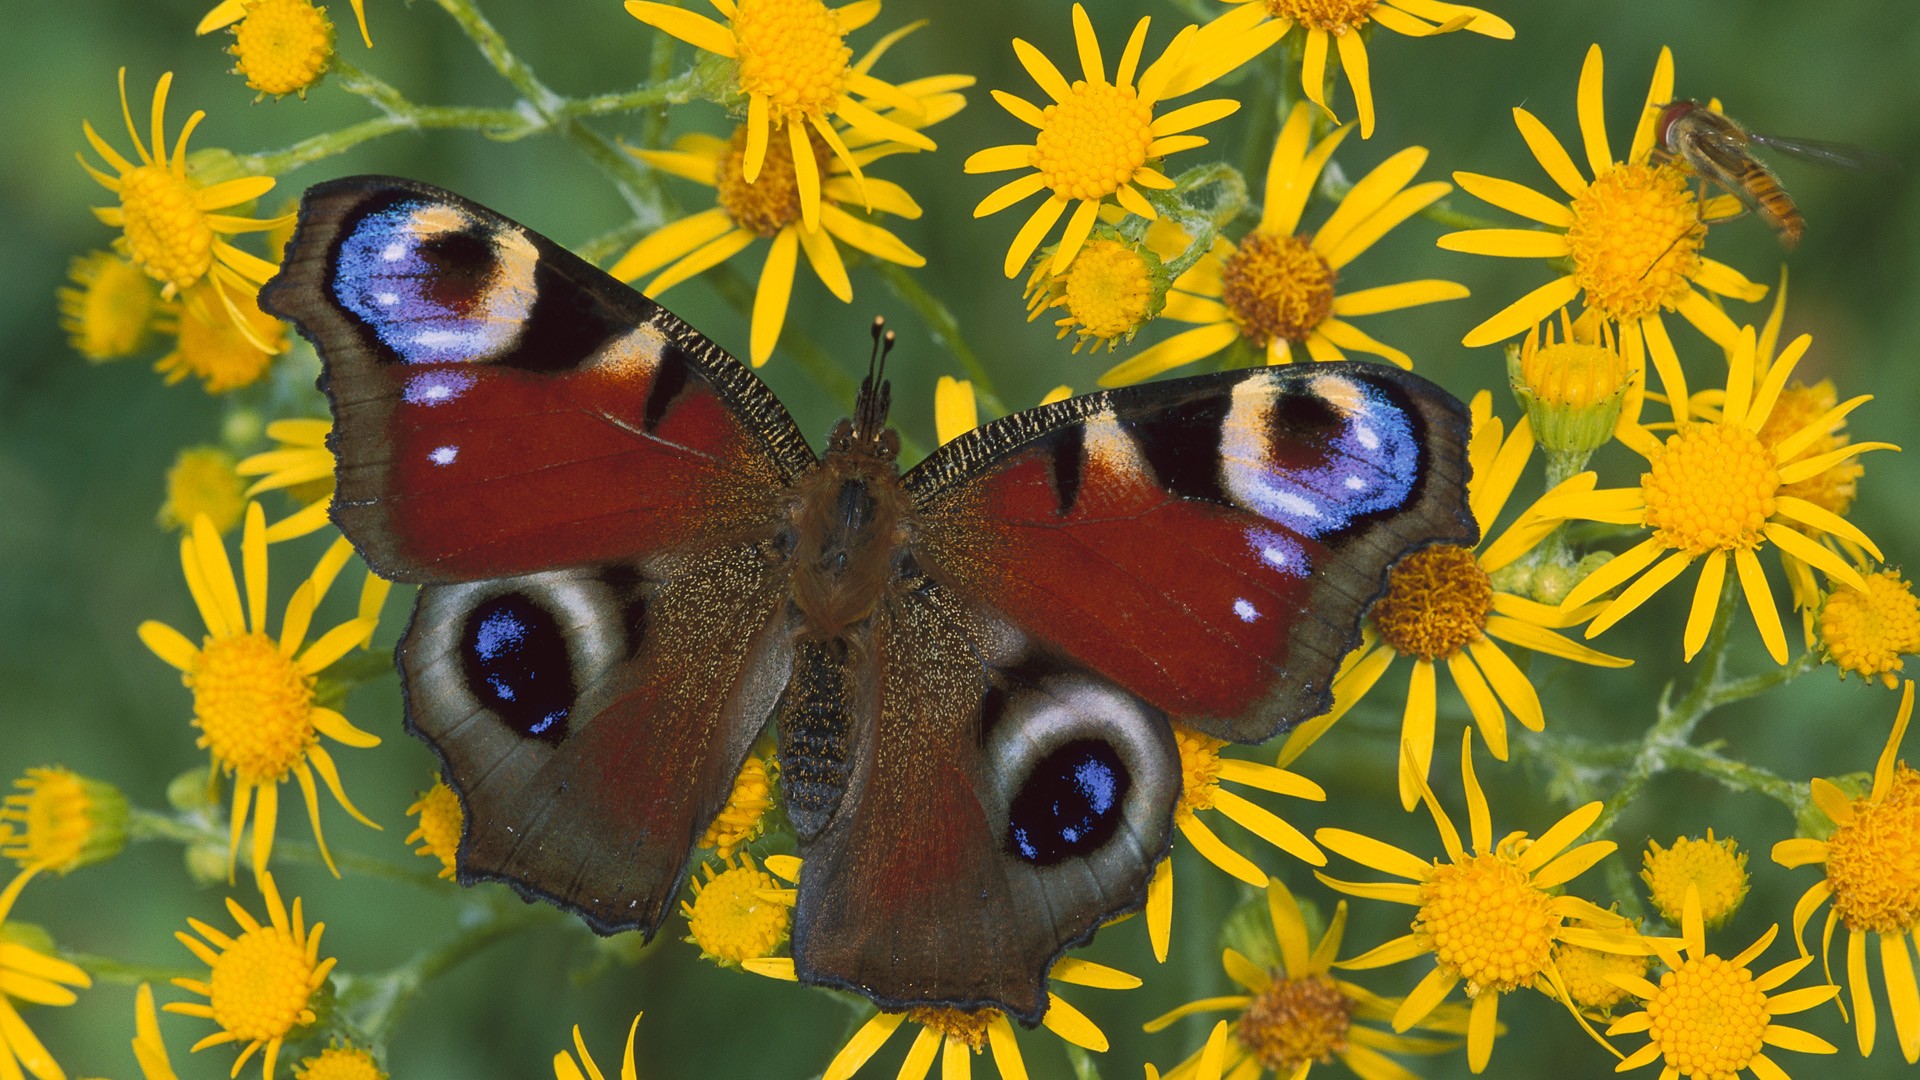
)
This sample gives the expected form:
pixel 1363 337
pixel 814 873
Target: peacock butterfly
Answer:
pixel 633 562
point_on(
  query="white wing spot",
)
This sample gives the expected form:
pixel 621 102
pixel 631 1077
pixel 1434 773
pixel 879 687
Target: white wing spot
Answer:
pixel 1245 609
pixel 444 455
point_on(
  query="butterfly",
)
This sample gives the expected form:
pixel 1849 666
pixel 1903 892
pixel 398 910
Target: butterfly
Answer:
pixel 632 563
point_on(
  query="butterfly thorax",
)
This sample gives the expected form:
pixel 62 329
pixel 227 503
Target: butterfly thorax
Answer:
pixel 848 522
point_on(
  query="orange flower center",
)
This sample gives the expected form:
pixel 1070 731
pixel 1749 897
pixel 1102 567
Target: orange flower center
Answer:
pixel 1487 922
pixel 1635 239
pixel 1711 487
pixel 1708 1018
pixel 1296 1021
pixel 1873 861
pixel 1094 141
pixel 253 706
pixel 772 201
pixel 1437 602
pixel 792 53
pixel 1277 287
pixel 1333 16
pixel 1199 770
pixel 969 1027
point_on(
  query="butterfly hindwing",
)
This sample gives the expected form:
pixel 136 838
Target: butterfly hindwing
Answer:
pixel 503 407
pixel 1209 544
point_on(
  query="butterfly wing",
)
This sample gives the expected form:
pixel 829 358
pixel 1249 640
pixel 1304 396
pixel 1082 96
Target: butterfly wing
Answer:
pixel 1209 544
pixel 1080 576
pixel 588 488
pixel 503 407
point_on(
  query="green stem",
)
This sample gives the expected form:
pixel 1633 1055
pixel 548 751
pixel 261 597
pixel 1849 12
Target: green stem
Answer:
pixel 494 48
pixel 500 123
pixel 370 1005
pixel 655 95
pixel 945 330
pixel 108 970
pixel 1202 225
pixel 1737 775
pixel 144 824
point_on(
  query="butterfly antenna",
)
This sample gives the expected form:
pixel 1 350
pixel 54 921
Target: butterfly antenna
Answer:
pixel 876 394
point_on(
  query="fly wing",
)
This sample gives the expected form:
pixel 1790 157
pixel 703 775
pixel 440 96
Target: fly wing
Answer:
pixel 1831 154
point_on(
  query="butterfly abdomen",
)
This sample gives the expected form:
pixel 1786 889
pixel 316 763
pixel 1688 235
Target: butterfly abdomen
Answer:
pixel 813 720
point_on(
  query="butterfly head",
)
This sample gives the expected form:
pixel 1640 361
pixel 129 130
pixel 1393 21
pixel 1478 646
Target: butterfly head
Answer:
pixel 866 432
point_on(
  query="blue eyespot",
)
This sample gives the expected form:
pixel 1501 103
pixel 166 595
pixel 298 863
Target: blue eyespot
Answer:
pixel 1070 804
pixel 517 665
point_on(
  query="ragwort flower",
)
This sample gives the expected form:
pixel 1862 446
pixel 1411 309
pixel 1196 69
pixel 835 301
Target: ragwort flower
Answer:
pixel 1253 26
pixel 1872 866
pixel 30 976
pixel 203 480
pixel 225 348
pixel 1488 915
pixel 168 219
pixel 773 207
pixel 228 12
pixel 109 309
pixel 739 912
pixel 565 1068
pixel 339 1062
pixel 1441 606
pixel 303 467
pixel 440 823
pixel 1867 633
pixel 254 696
pixel 1715 869
pixel 260 983
pixel 744 816
pixel 1111 289
pixel 282 47
pixel 1098 140
pixel 1633 234
pixel 1276 287
pixel 799 75
pixel 1712 1017
pixel 1299 1014
pixel 59 820
pixel 1716 490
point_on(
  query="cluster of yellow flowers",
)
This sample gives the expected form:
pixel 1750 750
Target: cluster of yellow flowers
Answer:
pixel 1760 460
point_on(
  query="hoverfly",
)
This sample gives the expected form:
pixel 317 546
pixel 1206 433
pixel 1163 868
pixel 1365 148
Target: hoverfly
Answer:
pixel 1719 149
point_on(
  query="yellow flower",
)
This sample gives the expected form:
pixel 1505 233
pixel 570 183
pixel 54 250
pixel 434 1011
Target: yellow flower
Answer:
pixel 1097 140
pixel 771 207
pixel 1868 632
pixel 202 480
pixel 149 1050
pixel 109 309
pixel 955 1036
pixel 1575 389
pixel 1710 1016
pixel 1632 235
pixel 303 467
pixel 1488 915
pixel 1110 290
pixel 1717 489
pixel 955 412
pixel 1588 975
pixel 1716 869
pixel 798 74
pixel 1441 606
pixel 260 983
pixel 741 912
pixel 168 219
pixel 1299 1014
pixel 254 696
pixel 282 46
pixel 64 821
pixel 564 1067
pixel 1202 770
pixel 1255 25
pixel 1872 864
pixel 228 12
pixel 744 816
pixel 339 1063
pixel 30 976
pixel 441 821
pixel 224 351
pixel 1276 288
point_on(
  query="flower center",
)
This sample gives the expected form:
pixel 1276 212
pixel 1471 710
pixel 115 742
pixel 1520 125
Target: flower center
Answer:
pixel 109 314
pixel 1873 861
pixel 1585 971
pixel 1199 770
pixel 254 708
pixel 1717 868
pixel 65 820
pixel 167 234
pixel 1277 287
pixel 439 828
pixel 792 53
pixel 1867 632
pixel 282 46
pixel 741 819
pixel 1295 1021
pixel 1708 1018
pixel 1797 406
pixel 771 202
pixel 260 986
pixel 339 1063
pixel 1487 922
pixel 1108 289
pixel 1573 374
pixel 1333 16
pixel 1437 601
pixel 211 348
pixel 1636 237
pixel 969 1027
pixel 1711 487
pixel 731 921
pixel 202 481
pixel 1094 141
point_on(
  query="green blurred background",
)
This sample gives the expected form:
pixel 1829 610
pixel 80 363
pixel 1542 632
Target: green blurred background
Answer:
pixel 83 450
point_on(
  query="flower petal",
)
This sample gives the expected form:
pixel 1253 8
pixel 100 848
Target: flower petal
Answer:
pixel 1659 92
pixel 1044 74
pixel 1523 314
pixel 1593 113
pixel 1182 348
pixel 1406 294
pixel 691 27
pixel 1516 198
pixel 1507 243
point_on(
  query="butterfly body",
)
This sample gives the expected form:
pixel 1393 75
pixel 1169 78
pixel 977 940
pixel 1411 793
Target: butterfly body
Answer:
pixel 632 564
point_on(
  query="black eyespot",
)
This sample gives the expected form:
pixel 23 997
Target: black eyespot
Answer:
pixel 517 665
pixel 1070 804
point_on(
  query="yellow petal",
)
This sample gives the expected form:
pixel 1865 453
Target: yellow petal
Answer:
pixel 1593 117
pixel 670 242
pixel 1394 297
pixel 1549 153
pixel 1072 1025
pixel 1516 198
pixel 1507 243
pixel 691 27
pixel 1182 348
pixel 1523 314
pixel 1044 74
